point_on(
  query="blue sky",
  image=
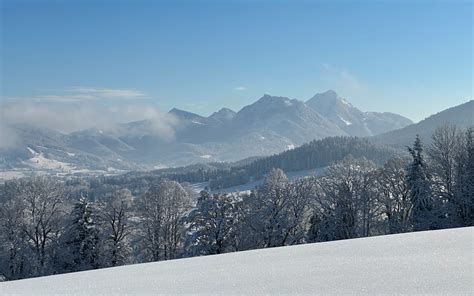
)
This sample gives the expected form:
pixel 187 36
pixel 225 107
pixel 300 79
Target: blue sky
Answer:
pixel 409 57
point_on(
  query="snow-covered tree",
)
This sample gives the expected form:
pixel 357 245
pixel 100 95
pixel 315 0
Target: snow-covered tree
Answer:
pixel 211 224
pixel 14 252
pixel 442 154
pixel 275 211
pixel 269 204
pixel 82 240
pixel 464 180
pixel 394 195
pixel 41 222
pixel 161 209
pixel 115 212
pixel 346 202
pixel 423 214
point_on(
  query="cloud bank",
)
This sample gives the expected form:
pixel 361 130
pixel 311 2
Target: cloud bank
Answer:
pixel 84 108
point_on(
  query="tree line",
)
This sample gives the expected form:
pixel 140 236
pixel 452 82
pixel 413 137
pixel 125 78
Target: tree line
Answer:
pixel 315 154
pixel 48 226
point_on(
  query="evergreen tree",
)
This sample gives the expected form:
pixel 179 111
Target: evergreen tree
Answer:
pixel 418 183
pixel 82 242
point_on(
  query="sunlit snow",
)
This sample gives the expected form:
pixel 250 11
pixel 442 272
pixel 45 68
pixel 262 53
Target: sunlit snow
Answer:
pixel 433 262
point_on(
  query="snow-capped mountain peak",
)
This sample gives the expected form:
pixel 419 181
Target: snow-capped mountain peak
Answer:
pixel 352 120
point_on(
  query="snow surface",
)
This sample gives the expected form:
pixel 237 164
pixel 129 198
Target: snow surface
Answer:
pixel 432 262
pixel 33 152
pixel 345 102
pixel 39 162
pixel 347 122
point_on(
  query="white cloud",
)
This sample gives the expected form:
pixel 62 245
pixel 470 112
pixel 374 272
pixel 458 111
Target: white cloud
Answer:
pixel 109 92
pixel 240 88
pixel 54 98
pixel 341 80
pixel 83 93
pixel 78 115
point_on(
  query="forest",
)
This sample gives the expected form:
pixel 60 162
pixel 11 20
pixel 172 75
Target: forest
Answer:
pixel 52 226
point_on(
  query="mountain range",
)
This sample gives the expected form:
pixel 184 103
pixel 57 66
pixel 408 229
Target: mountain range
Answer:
pixel 270 125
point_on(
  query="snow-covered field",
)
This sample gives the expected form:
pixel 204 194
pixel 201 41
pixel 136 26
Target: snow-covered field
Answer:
pixel 434 262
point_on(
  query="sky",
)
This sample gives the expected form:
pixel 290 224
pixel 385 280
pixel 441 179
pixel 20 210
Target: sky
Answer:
pixel 142 58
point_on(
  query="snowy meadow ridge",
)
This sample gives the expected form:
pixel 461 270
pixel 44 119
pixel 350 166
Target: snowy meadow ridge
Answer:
pixel 430 262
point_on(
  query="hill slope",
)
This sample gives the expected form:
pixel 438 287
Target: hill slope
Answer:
pixel 433 262
pixel 461 116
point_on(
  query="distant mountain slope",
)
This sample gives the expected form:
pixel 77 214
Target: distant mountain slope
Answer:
pixel 223 115
pixel 353 121
pixel 429 263
pixel 44 150
pixel 461 116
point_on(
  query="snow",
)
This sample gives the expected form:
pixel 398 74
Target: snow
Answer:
pixel 345 102
pixel 290 146
pixel 39 162
pixel 197 122
pixel 33 152
pixel 347 122
pixel 206 156
pixel 7 175
pixel 432 262
pixel 71 154
pixel 159 167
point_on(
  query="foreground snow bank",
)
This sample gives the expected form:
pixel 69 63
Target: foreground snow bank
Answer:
pixel 434 262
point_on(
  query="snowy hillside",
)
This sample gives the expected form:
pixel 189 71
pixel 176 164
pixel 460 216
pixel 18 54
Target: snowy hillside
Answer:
pixel 435 262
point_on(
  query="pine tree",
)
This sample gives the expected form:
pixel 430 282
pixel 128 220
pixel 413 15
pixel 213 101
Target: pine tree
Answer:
pixel 418 183
pixel 82 242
